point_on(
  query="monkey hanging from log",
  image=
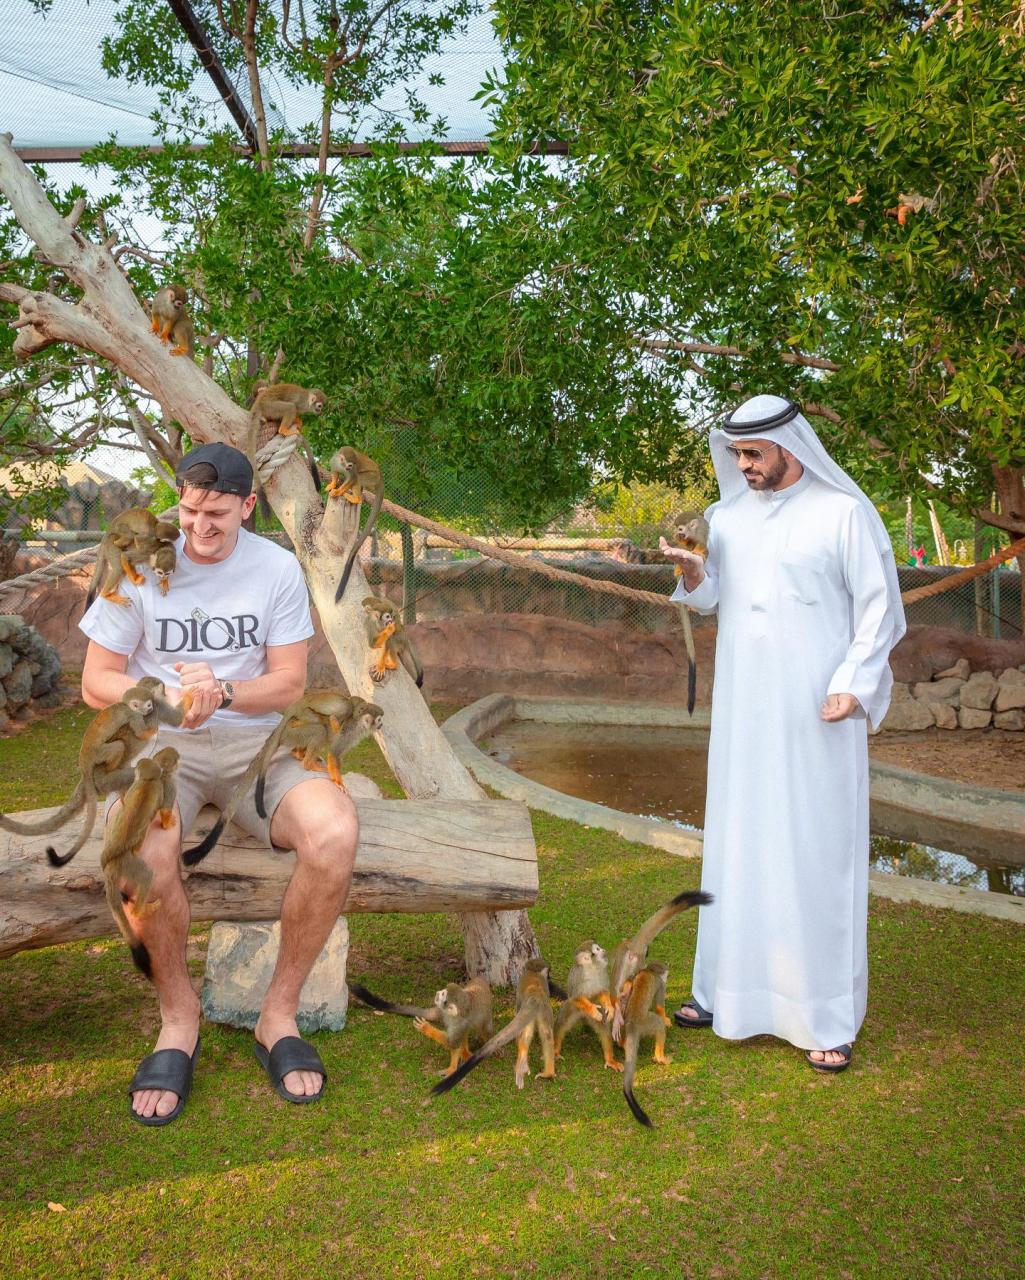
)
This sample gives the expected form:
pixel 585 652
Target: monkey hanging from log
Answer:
pixel 126 877
pixel 352 474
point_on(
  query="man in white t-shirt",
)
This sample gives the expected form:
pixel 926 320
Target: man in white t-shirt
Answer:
pixel 233 628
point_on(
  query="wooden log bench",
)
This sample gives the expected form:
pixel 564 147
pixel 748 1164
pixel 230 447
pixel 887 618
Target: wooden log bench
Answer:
pixel 413 855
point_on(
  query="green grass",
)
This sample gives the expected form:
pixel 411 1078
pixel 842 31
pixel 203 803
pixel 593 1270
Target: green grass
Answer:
pixel 907 1165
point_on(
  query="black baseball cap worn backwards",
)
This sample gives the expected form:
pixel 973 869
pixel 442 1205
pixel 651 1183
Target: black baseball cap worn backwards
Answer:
pixel 234 473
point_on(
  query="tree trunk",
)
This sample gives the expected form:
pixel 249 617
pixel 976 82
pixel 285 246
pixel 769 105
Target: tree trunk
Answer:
pixel 408 577
pixel 1009 483
pixel 110 322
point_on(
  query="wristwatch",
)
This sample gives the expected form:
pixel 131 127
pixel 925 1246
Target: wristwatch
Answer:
pixel 227 695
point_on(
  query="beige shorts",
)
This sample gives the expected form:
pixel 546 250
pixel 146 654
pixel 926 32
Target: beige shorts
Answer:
pixel 211 762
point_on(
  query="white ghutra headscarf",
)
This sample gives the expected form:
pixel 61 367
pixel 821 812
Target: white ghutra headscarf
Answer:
pixel 754 420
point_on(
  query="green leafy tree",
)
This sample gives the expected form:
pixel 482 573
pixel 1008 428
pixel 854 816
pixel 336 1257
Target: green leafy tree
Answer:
pixel 821 200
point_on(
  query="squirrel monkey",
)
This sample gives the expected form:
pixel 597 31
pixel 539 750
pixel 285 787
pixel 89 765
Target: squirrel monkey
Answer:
pixel 135 537
pixel 353 472
pixel 648 991
pixel 322 724
pixel 463 1011
pixel 689 530
pixel 386 633
pixel 111 740
pixel 170 321
pixel 126 877
pixel 628 956
pixel 588 982
pixel 283 403
pixel 126 732
pixel 533 1014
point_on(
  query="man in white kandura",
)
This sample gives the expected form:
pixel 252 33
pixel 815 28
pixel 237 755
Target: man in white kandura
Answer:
pixel 802 573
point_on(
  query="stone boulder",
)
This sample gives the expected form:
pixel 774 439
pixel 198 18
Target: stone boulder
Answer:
pixel 979 690
pixel 974 718
pixel 943 714
pixel 947 690
pixel 1010 690
pixel 925 651
pixel 909 715
pixel 1009 720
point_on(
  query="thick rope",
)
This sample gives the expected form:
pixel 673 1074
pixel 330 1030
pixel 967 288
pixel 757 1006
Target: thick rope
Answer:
pixel 966 575
pixel 273 455
pixel 78 560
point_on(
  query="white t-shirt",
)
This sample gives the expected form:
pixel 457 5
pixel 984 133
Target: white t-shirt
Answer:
pixel 225 614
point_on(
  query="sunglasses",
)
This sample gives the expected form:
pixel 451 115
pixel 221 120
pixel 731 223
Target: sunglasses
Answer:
pixel 756 455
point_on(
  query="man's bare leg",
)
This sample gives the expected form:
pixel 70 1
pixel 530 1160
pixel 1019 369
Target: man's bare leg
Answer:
pixel 319 822
pixel 165 932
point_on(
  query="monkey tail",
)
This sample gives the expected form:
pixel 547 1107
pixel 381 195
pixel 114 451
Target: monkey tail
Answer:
pixel 508 1033
pixel 255 772
pixel 67 811
pixel 629 1070
pixel 343 581
pixel 199 851
pixel 642 939
pixel 385 1006
pixel 88 821
pixel 692 663
pixel 97 578
pixel 139 951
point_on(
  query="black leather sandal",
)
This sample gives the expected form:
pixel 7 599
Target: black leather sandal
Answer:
pixel 290 1053
pixel 846 1049
pixel 704 1018
pixel 170 1069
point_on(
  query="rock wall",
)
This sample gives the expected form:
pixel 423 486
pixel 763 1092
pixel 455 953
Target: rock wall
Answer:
pixel 29 670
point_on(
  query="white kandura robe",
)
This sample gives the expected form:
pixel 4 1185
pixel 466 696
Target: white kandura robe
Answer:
pixel 801 592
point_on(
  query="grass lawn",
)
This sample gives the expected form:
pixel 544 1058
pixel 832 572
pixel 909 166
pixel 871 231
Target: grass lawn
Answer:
pixel 909 1164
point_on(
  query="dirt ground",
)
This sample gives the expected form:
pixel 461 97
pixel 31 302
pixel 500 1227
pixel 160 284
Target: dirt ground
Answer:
pixel 985 757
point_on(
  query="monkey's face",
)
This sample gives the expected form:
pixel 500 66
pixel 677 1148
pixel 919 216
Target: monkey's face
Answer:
pixel 315 401
pixel 142 705
pixel 597 953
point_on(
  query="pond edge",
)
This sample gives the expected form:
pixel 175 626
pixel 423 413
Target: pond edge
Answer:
pixel 899 788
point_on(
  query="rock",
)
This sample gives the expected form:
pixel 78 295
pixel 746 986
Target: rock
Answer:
pixel 948 691
pixel 979 690
pixel 19 684
pixel 6 660
pixel 10 623
pixel 944 715
pixel 1010 691
pixel 361 787
pixel 1009 720
pixel 240 961
pixel 926 650
pixel 48 701
pixel 5 720
pixel 961 669
pixel 974 718
pixel 900 693
pixel 903 716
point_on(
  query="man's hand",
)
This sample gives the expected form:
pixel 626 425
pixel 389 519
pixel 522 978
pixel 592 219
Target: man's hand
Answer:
pixel 692 564
pixel 838 706
pixel 206 692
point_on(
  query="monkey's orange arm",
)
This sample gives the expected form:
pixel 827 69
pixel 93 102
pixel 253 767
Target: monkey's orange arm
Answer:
pixel 383 636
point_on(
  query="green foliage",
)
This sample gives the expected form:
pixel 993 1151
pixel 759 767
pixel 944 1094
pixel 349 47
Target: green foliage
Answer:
pixel 641 512
pixel 758 155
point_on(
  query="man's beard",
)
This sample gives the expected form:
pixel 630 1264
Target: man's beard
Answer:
pixel 770 479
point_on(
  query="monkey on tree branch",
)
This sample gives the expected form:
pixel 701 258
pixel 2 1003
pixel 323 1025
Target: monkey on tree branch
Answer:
pixel 109 321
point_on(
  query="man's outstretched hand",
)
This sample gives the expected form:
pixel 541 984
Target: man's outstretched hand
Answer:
pixel 838 706
pixel 692 564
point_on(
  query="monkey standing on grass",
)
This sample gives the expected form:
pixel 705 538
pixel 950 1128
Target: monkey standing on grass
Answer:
pixel 533 1014
pixel 464 1011
pixel 648 990
pixel 588 981
pixel 126 877
pixel 628 956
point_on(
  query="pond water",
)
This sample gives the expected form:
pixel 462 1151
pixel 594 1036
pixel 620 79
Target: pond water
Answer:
pixel 659 772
